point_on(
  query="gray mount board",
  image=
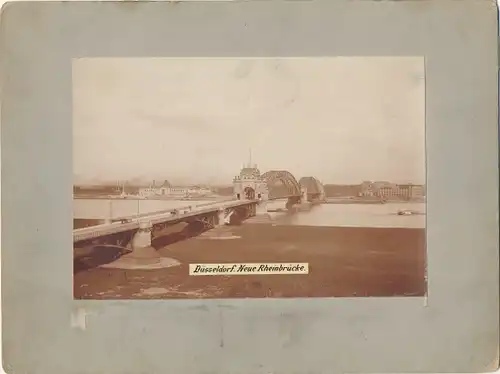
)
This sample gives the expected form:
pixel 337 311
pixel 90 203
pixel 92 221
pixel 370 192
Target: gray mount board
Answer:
pixel 455 329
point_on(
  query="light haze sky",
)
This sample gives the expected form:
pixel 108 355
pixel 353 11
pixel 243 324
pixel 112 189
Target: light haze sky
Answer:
pixel 193 120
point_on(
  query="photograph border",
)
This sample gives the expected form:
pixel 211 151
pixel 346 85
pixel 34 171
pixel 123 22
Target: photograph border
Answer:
pixel 454 329
pixel 381 274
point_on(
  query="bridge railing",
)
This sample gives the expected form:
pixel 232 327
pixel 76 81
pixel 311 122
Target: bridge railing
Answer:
pixel 91 232
pixel 227 204
pixel 165 211
pixel 141 215
pixel 215 202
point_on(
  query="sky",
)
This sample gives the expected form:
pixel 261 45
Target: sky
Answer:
pixel 193 120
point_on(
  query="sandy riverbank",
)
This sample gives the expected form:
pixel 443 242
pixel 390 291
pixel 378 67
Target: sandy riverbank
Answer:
pixel 343 262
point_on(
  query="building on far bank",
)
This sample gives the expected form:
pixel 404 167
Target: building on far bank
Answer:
pixel 386 192
pixel 411 191
pixel 367 189
pixel 392 191
pixel 417 192
pixel 380 189
pixel 167 190
pixel 404 191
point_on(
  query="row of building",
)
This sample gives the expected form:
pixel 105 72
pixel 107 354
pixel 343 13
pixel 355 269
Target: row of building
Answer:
pixel 387 190
pixel 167 190
pixel 382 190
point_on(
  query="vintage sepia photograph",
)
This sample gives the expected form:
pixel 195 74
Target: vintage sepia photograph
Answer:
pixel 249 177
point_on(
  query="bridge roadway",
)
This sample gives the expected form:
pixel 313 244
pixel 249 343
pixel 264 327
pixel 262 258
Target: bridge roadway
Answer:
pixel 172 215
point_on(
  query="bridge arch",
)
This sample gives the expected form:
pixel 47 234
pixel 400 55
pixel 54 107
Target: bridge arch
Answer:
pixel 314 187
pixel 286 178
pixel 249 193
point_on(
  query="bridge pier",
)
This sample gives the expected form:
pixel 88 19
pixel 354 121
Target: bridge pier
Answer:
pixel 298 202
pixel 142 251
pixel 249 211
pixel 221 215
pixel 142 237
pixel 303 195
pixel 305 202
pixel 292 200
pixel 213 221
pixel 245 212
pixel 261 208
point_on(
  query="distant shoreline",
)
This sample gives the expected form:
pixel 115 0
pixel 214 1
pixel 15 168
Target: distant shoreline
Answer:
pixel 347 200
pixel 118 197
pixel 329 200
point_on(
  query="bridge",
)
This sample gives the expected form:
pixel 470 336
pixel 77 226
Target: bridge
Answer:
pixel 314 188
pixel 141 228
pixel 277 184
pixel 251 189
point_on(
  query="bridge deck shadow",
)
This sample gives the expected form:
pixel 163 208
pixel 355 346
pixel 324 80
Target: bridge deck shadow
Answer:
pixel 190 231
pixel 89 258
pixel 187 232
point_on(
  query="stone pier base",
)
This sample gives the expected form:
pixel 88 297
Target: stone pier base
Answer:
pixel 143 256
pixel 304 206
pixel 146 258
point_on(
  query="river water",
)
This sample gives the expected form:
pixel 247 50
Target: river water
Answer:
pixel 354 215
pixel 343 215
pixel 118 208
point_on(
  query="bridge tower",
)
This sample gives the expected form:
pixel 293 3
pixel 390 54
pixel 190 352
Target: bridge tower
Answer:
pixel 249 185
